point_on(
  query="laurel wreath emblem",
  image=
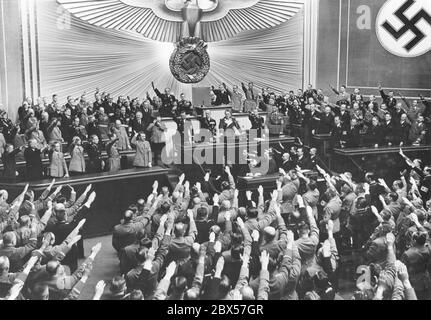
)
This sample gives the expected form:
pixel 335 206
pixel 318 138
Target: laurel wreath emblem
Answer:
pixel 191 53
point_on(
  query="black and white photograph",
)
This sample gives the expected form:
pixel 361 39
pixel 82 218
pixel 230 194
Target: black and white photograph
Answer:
pixel 217 155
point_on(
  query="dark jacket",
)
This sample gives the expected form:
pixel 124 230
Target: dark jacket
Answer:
pixel 146 280
pixel 61 229
pixel 18 256
pixel 33 164
pixel 95 157
pixel 9 164
pixel 125 234
pixel 374 135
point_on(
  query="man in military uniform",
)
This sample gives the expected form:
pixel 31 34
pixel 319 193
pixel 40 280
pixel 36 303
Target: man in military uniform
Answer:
pixel 167 97
pixel 236 98
pixel 257 122
pixel 389 99
pixel 95 164
pixel 275 122
pixel 252 97
pixel 222 95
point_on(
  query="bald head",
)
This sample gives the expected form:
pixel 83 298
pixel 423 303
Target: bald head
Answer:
pixel 242 212
pixel 4 195
pixel 269 234
pixel 216 229
pixel 52 267
pixel 9 239
pixel 225 204
pixel 179 229
pixel 128 216
pixel 59 207
pixel 4 265
pixel 24 221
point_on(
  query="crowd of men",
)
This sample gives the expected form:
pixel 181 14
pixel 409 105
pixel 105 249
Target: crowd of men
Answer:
pixel 41 244
pixel 196 243
pixel 204 242
pixel 285 243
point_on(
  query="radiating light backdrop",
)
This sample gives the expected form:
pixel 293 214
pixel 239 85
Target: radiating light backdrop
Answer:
pixel 79 57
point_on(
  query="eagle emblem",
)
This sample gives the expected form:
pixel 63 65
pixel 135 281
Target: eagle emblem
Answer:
pixel 188 23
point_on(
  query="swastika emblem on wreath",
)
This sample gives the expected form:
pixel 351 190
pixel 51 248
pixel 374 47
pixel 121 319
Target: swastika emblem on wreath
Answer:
pixel 190 61
pixel 403 27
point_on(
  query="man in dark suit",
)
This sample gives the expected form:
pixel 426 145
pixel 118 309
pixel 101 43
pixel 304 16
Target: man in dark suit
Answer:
pixel 374 133
pixel 33 160
pixel 9 162
pixel 403 129
pixel 338 134
pixel 167 97
pixel 123 115
pixel 295 113
pixel 372 102
pixel 139 124
pixel 183 103
pixel 222 95
pixel 126 232
pixel 302 161
pixel 311 120
pixel 92 128
pixel 95 163
pixel 110 108
pixel 388 130
pixel 66 125
pixel 397 112
pixel 17 255
pixel 326 121
pixel 310 92
pixel 353 134
pixel 388 99
pixel 62 228
pixel 287 163
pixel 344 115
pixel 147 112
pixel 312 161
pixel 257 122
pixel 77 130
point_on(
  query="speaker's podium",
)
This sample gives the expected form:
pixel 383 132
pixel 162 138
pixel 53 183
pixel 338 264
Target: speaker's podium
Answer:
pixel 201 96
